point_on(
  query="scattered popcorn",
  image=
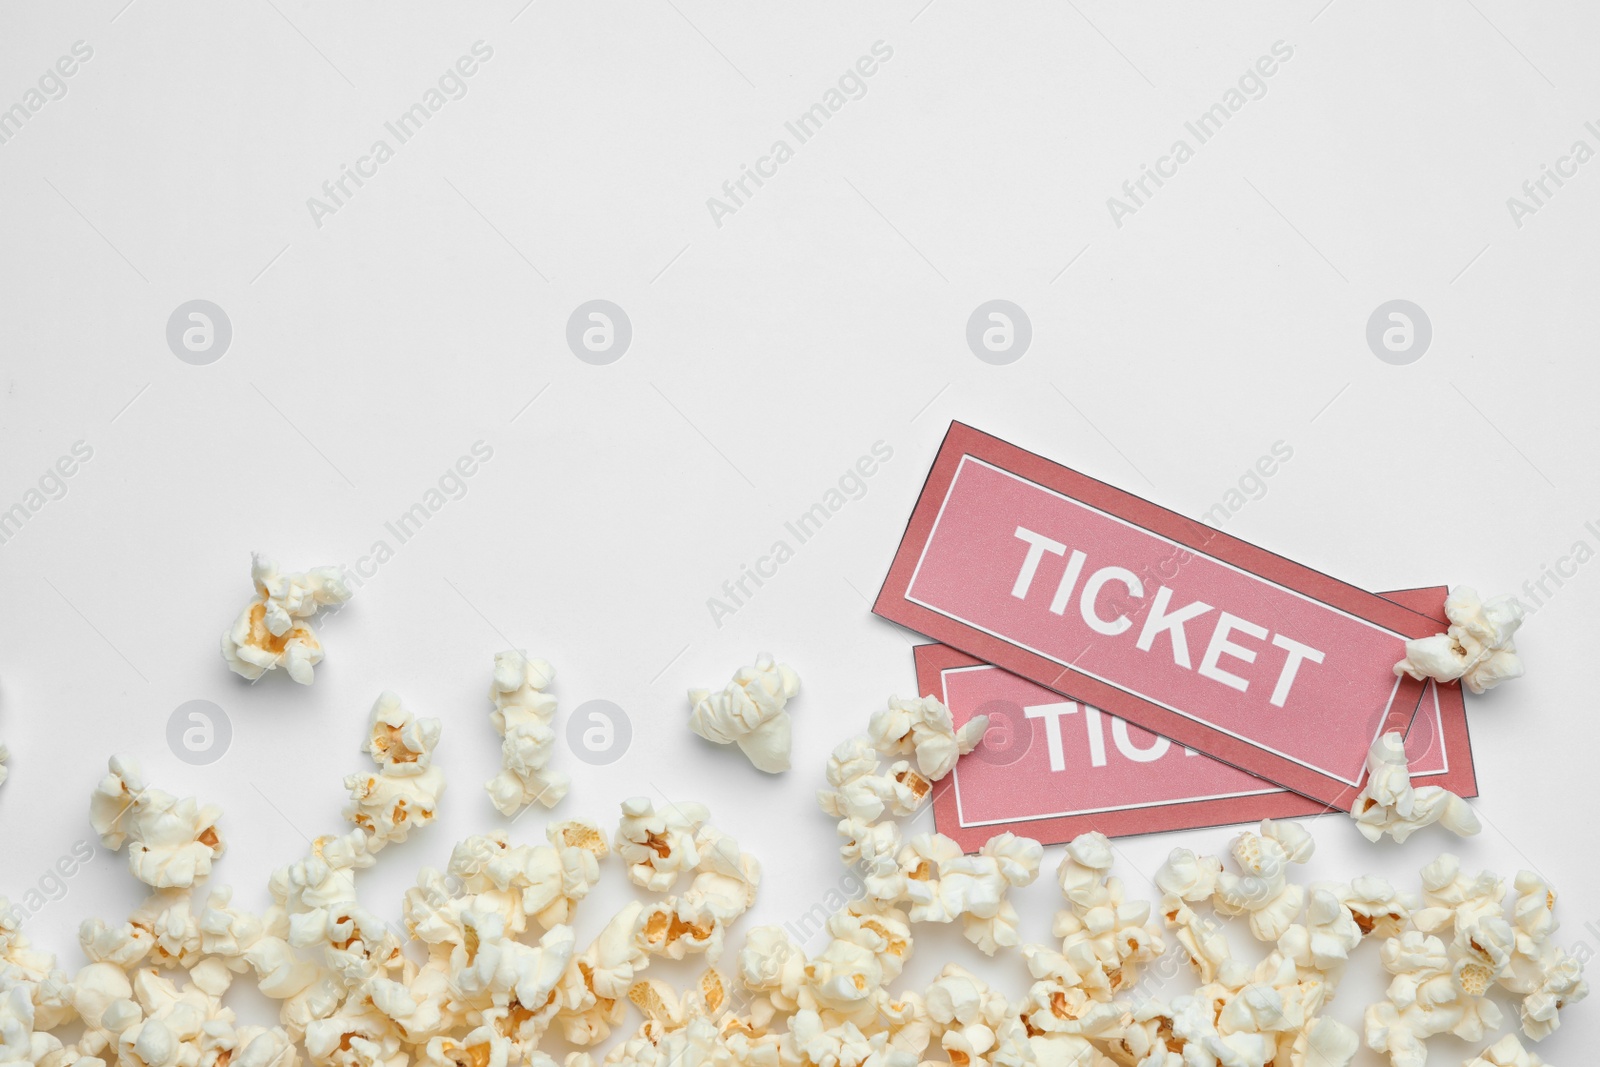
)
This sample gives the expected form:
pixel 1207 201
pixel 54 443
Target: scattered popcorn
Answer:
pixel 171 842
pixel 485 967
pixel 750 711
pixel 274 630
pixel 523 712
pixel 1389 804
pixel 403 794
pixel 1477 649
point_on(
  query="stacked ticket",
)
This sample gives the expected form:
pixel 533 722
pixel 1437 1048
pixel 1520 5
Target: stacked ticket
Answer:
pixel 1142 671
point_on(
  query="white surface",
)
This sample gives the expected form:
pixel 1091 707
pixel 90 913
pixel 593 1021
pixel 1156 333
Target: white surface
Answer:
pixel 768 354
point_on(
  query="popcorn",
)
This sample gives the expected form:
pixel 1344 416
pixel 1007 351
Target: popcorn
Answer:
pixel 658 846
pixel 543 882
pixel 1560 984
pixel 1548 978
pixel 973 1023
pixel 1477 649
pixel 886 931
pixel 404 794
pixel 1376 907
pixel 485 967
pixel 1187 876
pixel 846 980
pixel 523 713
pixel 1388 804
pixel 859 792
pixel 163 930
pixel 943 886
pixel 1105 938
pixel 1264 892
pixel 274 630
pixel 1507 1052
pixel 1454 901
pixel 872 848
pixel 1321 947
pixel 171 842
pixel 922 727
pixel 1203 939
pixel 1429 995
pixel 750 711
pixel 723 888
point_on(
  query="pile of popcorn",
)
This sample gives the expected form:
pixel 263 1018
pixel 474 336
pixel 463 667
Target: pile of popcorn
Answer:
pixel 486 968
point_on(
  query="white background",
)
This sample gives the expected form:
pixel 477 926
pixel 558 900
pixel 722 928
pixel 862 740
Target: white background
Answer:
pixel 769 353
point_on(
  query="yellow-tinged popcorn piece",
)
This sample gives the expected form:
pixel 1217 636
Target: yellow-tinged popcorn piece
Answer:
pixel 403 794
pixel 274 629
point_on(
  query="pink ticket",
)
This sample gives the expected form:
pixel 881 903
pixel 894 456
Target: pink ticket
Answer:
pixel 1160 620
pixel 1052 768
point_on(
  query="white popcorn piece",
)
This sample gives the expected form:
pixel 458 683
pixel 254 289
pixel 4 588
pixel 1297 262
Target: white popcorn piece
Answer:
pixel 1263 892
pixel 1187 876
pixel 1389 804
pixel 973 1023
pixel 845 981
pixel 403 795
pixel 923 728
pixel 942 885
pixel 1453 901
pixel 1560 984
pixel 1059 1004
pixel 523 713
pixel 164 930
pixel 274 630
pixel 771 963
pixel 1544 974
pixel 751 711
pixel 656 845
pixel 1321 946
pixel 241 940
pixel 1507 1052
pixel 1477 649
pixel 859 792
pixel 871 848
pixel 1376 907
pixel 171 842
pixel 543 883
pixel 1326 1042
pixel 1203 939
